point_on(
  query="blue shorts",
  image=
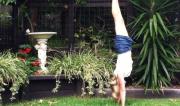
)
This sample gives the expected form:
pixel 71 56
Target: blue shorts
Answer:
pixel 122 44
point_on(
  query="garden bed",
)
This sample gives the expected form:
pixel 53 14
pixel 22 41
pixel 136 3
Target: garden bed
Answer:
pixel 42 87
pixel 7 94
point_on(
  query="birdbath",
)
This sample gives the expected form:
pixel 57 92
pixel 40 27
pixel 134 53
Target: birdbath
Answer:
pixel 41 46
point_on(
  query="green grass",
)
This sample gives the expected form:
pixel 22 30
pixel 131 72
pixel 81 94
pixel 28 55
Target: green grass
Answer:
pixel 79 101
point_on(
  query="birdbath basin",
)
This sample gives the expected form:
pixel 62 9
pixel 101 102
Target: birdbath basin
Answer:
pixel 41 35
pixel 41 46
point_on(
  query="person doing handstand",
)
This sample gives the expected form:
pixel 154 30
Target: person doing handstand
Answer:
pixel 124 62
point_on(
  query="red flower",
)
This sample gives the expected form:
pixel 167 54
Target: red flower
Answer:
pixel 35 63
pixel 27 50
pixel 22 51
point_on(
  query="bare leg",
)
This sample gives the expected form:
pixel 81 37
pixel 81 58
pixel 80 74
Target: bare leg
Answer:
pixel 122 90
pixel 120 27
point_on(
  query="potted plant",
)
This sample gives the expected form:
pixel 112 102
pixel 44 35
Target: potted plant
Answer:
pixel 13 74
pixel 94 71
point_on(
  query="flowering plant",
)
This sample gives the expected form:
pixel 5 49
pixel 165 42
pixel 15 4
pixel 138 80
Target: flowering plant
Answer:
pixel 26 55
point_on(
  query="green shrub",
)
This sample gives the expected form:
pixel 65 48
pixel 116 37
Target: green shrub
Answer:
pixel 94 38
pixel 12 71
pixel 85 65
pixel 153 32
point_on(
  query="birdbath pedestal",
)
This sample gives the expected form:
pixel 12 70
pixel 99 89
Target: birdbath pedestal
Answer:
pixel 41 46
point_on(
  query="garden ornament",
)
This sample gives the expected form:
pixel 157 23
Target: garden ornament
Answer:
pixel 41 46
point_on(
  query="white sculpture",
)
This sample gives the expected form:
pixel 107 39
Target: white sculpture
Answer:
pixel 41 47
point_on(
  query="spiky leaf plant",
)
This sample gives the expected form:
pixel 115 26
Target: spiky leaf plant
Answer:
pixel 6 2
pixel 12 71
pixel 81 2
pixel 152 31
pixel 85 65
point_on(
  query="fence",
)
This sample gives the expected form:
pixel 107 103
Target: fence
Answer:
pixel 5 27
pixel 65 17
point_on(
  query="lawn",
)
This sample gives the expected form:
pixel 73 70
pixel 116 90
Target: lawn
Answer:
pixel 86 101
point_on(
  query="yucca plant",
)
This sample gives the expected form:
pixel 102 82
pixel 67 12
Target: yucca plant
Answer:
pixel 153 31
pixel 85 65
pixel 81 2
pixel 13 72
pixel 6 2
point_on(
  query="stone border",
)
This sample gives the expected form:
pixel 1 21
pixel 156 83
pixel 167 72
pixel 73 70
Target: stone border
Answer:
pixel 140 93
pixel 166 93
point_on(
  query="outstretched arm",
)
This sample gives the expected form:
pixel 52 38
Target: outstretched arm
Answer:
pixel 120 27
